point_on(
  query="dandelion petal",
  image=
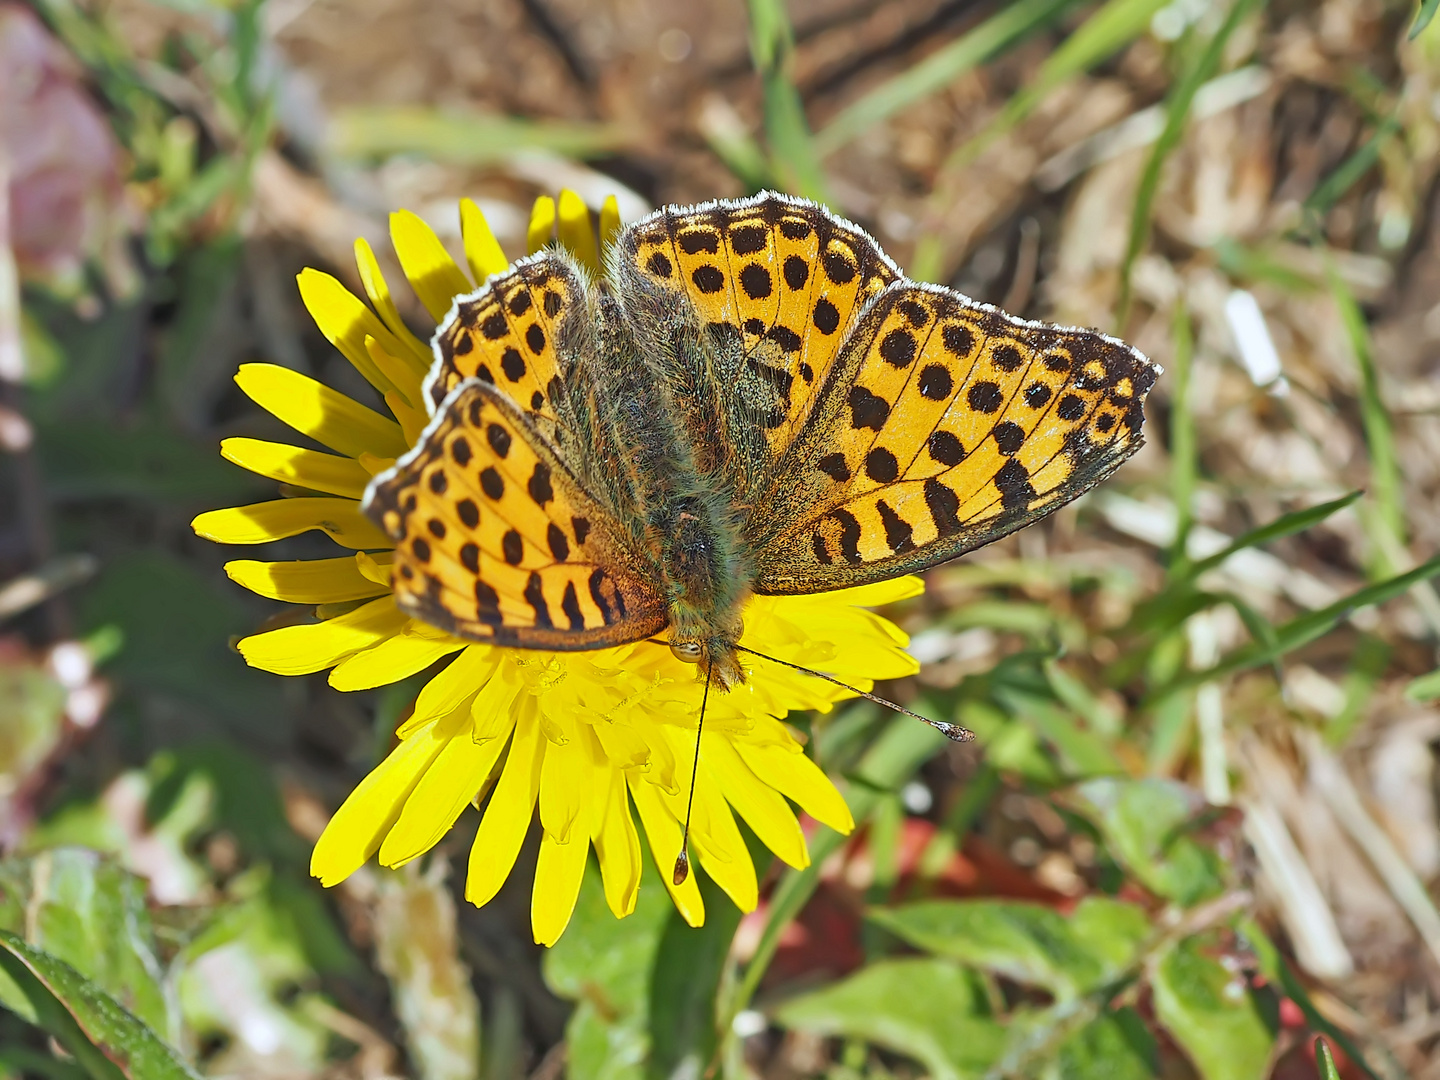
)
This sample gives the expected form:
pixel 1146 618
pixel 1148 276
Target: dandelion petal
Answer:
pixel 507 818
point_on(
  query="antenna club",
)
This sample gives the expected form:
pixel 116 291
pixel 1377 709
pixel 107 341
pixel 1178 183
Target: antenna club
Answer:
pixel 953 732
pixel 682 868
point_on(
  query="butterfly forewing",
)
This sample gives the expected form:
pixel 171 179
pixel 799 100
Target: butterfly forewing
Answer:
pixel 509 334
pixel 944 425
pixel 496 541
pixel 783 277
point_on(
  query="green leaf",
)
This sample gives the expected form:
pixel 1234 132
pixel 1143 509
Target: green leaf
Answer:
pixel 603 964
pixel 102 1034
pixel 1116 1046
pixel 1010 745
pixel 1083 752
pixel 34 720
pixel 683 985
pixel 1209 1011
pixel 1423 17
pixel 1029 943
pixel 83 909
pixel 1143 824
pixel 1425 688
pixel 931 1010
pixel 21 1061
pixel 1328 1071
pixel 1098 716
pixel 99 460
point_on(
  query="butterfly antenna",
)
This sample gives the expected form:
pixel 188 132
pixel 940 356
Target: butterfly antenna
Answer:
pixel 953 732
pixel 682 861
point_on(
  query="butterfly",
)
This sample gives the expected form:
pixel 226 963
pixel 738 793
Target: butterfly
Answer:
pixel 753 400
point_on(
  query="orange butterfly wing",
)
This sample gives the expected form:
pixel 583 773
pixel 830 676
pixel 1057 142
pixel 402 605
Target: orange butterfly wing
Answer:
pixel 782 276
pixel 508 333
pixel 944 425
pixel 496 541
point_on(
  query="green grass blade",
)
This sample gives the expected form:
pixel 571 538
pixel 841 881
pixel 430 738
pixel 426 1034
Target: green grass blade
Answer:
pixel 1277 971
pixel 1379 437
pixel 465 138
pixel 1184 444
pixel 1328 1071
pixel 1177 112
pixel 1303 630
pixel 1297 521
pixel 737 150
pixel 1423 17
pixel 1073 693
pixel 1108 29
pixel 1011 24
pixel 792 154
pixel 1334 186
pixel 1367 664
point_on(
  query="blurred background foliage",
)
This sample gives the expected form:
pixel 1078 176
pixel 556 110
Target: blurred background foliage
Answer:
pixel 1199 827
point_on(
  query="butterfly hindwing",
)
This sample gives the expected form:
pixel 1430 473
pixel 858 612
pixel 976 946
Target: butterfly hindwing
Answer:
pixel 944 425
pixel 496 541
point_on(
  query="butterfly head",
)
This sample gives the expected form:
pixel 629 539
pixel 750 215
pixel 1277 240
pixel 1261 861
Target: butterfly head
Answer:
pixel 717 655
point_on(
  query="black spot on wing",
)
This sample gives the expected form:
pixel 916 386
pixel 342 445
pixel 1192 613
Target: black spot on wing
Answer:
pixel 849 534
pixel 945 448
pixel 539 485
pixel 944 507
pixel 1013 480
pixel 570 604
pixel 708 279
pixel 697 240
pixel 512 547
pixel 796 271
pixel 827 316
pixel 535 597
pixel 897 531
pixel 867 410
pixel 748 239
pixel 499 440
pixel 834 466
pixel 559 545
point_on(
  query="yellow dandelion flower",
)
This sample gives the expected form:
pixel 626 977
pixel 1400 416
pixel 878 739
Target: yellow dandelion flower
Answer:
pixel 585 736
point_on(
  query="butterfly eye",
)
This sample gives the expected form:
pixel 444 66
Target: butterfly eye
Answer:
pixel 688 651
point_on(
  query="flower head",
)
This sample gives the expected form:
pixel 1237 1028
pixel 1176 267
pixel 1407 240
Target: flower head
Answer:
pixel 585 735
